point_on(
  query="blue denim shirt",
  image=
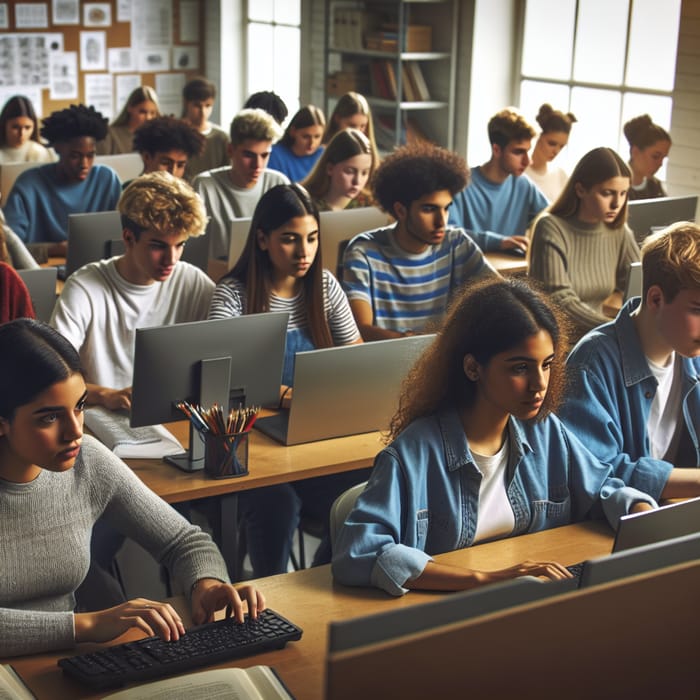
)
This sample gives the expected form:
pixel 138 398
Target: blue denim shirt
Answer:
pixel 423 496
pixel 610 396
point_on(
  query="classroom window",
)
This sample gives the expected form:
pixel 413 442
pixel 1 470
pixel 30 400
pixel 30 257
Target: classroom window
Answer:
pixel 274 48
pixel 604 60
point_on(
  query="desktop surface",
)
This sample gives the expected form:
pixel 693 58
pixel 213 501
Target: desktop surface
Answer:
pixel 311 600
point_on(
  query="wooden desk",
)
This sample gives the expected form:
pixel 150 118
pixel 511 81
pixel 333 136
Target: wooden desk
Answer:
pixel 311 599
pixel 507 264
pixel 269 463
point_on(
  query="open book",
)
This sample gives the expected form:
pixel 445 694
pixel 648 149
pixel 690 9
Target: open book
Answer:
pixel 255 683
pixel 113 430
pixel 11 685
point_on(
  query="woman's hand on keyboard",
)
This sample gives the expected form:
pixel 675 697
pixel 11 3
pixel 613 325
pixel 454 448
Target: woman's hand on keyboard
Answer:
pixel 210 595
pixel 151 616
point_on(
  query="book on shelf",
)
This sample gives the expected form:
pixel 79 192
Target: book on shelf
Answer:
pixel 418 80
pixel 254 683
pixel 390 72
pixel 380 80
pixel 409 88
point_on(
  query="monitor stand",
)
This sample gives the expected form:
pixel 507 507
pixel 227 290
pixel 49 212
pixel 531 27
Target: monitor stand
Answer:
pixel 215 377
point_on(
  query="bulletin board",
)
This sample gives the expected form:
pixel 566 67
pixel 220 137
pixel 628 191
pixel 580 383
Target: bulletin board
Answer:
pixel 63 52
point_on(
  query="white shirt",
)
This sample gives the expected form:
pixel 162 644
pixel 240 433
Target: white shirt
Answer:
pixel 495 518
pixel 99 311
pixel 665 412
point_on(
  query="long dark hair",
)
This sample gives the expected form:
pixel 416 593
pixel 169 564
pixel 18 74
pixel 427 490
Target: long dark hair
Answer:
pixel 596 166
pixel 254 268
pixel 305 117
pixel 18 106
pixel 35 356
pixel 488 318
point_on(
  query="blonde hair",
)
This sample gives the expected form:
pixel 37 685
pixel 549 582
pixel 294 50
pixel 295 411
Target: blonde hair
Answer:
pixel 144 93
pixel 256 125
pixel 671 259
pixel 163 203
pixel 346 144
pixel 349 104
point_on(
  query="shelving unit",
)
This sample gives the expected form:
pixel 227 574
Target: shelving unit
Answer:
pixel 386 75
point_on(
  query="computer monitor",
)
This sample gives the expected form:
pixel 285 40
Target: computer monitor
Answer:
pixel 639 560
pixel 41 283
pixel 634 285
pixel 337 228
pixel 379 627
pixel 228 361
pixel 126 165
pixel 9 172
pixel 646 215
pixel 98 235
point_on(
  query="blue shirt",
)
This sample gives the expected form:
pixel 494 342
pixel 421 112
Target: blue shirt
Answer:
pixel 39 203
pixel 423 496
pixel 490 211
pixel 295 167
pixel 409 291
pixel 611 392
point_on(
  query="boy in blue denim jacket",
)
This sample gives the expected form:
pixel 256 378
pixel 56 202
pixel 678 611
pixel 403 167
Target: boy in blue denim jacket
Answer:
pixel 634 400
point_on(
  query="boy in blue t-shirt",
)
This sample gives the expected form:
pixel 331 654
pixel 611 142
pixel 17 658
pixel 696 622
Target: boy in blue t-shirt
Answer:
pixel 498 205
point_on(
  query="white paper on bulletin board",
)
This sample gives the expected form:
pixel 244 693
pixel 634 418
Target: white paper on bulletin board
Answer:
pixel 64 76
pixel 189 21
pixel 98 93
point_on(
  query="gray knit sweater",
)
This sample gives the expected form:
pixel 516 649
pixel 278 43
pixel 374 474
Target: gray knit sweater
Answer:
pixel 580 265
pixel 45 528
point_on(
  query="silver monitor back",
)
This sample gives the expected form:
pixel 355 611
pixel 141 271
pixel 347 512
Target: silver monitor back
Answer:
pixel 634 281
pixel 166 360
pixel 345 390
pixel 98 235
pixel 126 165
pixel 339 227
pixel 638 560
pixel 664 523
pixel 41 283
pixel 9 172
pixel 645 215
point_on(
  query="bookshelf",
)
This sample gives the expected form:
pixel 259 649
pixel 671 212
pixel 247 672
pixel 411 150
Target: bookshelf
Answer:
pixel 400 54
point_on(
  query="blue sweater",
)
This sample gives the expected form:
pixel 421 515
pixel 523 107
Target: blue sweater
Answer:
pixel 489 211
pixel 39 203
pixel 296 168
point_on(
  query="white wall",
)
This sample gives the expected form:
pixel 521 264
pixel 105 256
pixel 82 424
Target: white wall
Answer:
pixel 683 176
pixel 492 71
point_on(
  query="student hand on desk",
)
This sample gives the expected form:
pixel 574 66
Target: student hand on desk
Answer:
pixel 210 595
pixel 515 244
pixel 113 399
pixel 445 577
pixel 150 616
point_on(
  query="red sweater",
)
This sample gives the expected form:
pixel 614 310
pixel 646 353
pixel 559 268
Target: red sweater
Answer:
pixel 15 301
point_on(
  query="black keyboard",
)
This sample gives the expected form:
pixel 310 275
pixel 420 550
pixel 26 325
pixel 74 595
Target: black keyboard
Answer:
pixel 576 570
pixel 152 657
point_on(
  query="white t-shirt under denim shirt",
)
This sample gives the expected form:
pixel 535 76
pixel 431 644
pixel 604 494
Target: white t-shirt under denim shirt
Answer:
pixel 664 415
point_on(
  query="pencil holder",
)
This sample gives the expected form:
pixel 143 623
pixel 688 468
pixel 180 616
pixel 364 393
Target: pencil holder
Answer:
pixel 226 456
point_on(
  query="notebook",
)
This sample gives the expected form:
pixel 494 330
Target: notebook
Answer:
pixel 41 283
pixel 345 390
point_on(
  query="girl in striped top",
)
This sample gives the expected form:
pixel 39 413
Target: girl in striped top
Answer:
pixel 582 247
pixel 281 269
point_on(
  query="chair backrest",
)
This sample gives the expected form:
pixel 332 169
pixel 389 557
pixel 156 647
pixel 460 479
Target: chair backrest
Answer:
pixel 341 508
